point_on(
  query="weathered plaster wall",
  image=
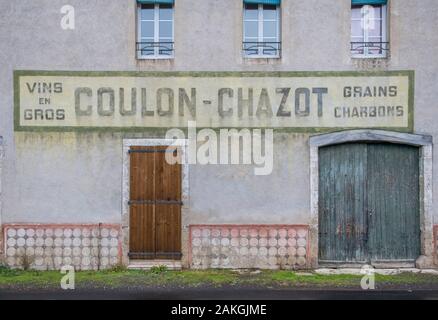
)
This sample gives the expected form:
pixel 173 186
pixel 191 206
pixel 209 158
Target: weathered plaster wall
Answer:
pixel 233 194
pixel 76 178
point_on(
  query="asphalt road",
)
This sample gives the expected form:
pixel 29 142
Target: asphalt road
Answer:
pixel 218 294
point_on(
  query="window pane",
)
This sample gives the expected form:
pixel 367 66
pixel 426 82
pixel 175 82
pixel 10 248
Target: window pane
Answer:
pixel 356 13
pixel 147 29
pixel 358 39
pixel 147 12
pixel 166 29
pixel 269 12
pixel 251 12
pixel 375 12
pixel 251 29
pixel 374 39
pixel 270 29
pixel 356 28
pixel 374 29
pixel 166 12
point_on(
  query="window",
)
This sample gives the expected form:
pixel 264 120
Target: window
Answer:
pixel 155 31
pixel 369 31
pixel 261 31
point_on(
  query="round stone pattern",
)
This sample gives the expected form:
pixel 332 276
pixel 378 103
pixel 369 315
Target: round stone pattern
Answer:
pixel 273 233
pixel 21 232
pixel 114 233
pixel 282 233
pixel 59 233
pixel 77 232
pixel 301 242
pixel 292 233
pixel 11 242
pixel 21 242
pixel 225 232
pixel 272 242
pixel 302 233
pixel 196 233
pixel 301 251
pixel 86 232
pixel 11 233
pixel 263 233
pixel 215 233
pixel 263 242
pixel 105 232
pixel 68 233
pixel 196 242
pixel 235 242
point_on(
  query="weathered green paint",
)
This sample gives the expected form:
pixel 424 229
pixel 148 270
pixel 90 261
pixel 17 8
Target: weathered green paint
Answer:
pixel 342 202
pixel 368 203
pixel 17 73
pixel 393 202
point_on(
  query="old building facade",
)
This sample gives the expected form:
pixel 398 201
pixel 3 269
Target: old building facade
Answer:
pixel 89 89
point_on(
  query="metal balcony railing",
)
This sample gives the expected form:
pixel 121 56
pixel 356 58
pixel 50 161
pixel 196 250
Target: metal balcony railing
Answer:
pixel 370 48
pixel 155 49
pixel 261 49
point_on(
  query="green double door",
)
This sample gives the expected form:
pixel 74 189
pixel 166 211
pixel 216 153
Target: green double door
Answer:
pixel 368 203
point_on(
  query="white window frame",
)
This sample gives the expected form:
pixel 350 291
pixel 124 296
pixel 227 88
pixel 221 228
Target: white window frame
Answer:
pixel 157 20
pixel 385 26
pixel 260 21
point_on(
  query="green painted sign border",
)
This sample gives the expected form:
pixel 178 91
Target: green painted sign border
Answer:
pixel 260 74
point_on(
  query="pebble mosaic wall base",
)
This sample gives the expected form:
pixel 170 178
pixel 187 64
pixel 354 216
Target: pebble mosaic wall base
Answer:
pixel 48 247
pixel 249 246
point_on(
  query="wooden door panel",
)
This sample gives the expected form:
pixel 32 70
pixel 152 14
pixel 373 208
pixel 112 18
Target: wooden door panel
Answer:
pixel 393 188
pixel 168 226
pixel 342 202
pixel 168 177
pixel 142 174
pixel 142 231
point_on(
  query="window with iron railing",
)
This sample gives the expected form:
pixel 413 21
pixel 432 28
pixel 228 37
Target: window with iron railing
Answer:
pixel 155 31
pixel 261 31
pixel 369 34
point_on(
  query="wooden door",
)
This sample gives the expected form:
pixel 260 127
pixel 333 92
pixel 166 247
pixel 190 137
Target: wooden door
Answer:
pixel 342 204
pixel 393 206
pixel 155 204
pixel 369 203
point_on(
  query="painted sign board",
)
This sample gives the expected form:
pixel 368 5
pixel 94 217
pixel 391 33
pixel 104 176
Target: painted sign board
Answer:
pixel 296 101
